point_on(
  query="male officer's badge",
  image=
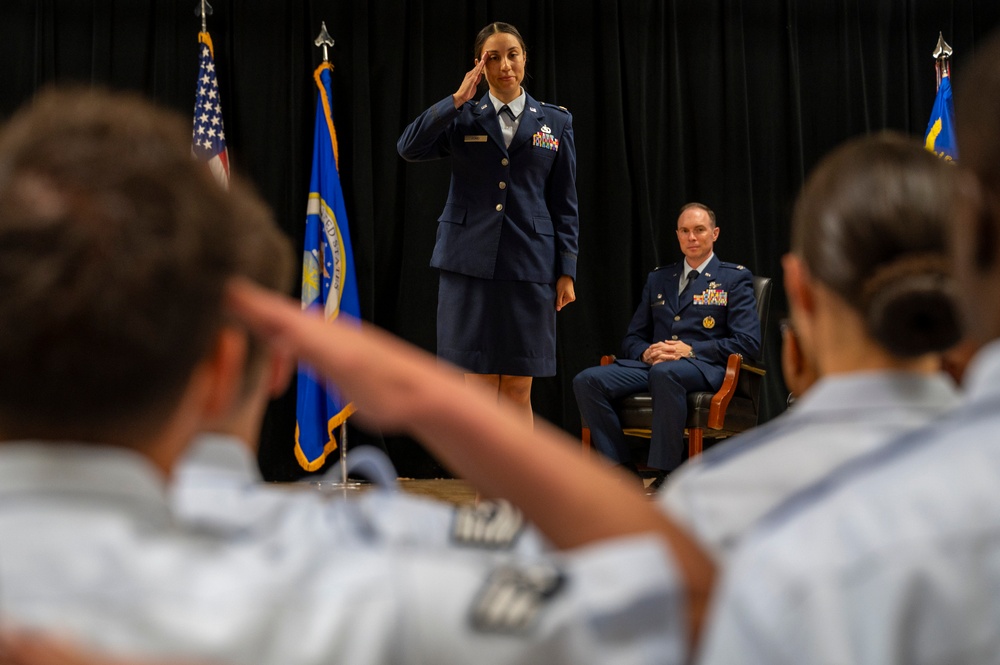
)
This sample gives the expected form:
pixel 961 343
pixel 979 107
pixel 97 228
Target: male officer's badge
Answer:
pixel 708 322
pixel 512 596
pixel 490 525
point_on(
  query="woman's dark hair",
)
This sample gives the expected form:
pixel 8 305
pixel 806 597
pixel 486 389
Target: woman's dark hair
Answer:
pixel 871 224
pixel 492 29
pixel 977 93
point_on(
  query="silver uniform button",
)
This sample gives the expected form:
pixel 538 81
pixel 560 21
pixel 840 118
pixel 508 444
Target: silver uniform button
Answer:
pixel 504 162
pixel 677 318
pixel 674 337
pixel 503 185
pixel 499 207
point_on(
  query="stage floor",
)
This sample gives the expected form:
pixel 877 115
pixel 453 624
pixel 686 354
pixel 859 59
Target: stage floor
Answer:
pixel 444 489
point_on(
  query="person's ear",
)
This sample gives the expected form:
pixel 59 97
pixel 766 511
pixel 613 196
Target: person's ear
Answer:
pixel 796 370
pixel 974 242
pixel 281 366
pixel 223 371
pixel 798 285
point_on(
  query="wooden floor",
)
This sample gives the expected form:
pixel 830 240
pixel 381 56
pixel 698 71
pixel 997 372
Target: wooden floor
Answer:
pixel 443 489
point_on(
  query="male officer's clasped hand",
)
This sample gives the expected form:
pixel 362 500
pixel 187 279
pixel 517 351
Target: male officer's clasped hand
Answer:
pixel 667 350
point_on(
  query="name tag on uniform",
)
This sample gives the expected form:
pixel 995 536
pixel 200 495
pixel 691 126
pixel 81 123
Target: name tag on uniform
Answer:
pixel 476 138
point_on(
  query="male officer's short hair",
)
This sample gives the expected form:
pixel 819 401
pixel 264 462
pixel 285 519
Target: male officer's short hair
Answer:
pixel 699 206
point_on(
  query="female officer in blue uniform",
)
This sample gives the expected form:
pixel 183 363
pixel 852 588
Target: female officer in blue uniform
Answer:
pixel 507 238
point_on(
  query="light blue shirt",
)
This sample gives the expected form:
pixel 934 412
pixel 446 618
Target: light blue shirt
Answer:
pixel 683 282
pixel 508 124
pixel 894 558
pixel 89 549
pixel 720 494
pixel 217 484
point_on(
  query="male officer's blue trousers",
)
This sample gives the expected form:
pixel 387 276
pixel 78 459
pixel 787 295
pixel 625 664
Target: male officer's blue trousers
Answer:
pixel 597 390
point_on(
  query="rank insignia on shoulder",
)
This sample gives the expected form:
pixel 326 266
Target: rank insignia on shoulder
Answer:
pixel 489 525
pixel 708 322
pixel 740 267
pixel 513 595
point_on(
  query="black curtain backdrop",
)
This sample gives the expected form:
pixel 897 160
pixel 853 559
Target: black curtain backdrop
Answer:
pixel 728 102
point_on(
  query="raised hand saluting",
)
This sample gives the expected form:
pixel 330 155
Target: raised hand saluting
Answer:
pixel 470 83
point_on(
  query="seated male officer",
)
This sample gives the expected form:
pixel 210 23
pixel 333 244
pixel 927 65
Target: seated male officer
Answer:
pixel 692 315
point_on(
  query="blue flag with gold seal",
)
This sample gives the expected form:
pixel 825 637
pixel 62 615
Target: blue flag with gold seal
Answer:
pixel 940 135
pixel 329 284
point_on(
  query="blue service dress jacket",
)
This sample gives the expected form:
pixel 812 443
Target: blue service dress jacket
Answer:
pixel 511 212
pixel 716 316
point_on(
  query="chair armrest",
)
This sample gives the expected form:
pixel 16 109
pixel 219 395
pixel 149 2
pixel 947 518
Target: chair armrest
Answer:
pixel 754 367
pixel 720 401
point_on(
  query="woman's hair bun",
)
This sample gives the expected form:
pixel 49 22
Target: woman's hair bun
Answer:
pixel 910 306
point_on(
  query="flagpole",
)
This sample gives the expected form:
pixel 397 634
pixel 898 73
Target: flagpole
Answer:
pixel 942 59
pixel 203 9
pixel 325 41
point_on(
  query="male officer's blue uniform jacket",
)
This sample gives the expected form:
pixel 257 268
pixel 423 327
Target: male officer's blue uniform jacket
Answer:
pixel 511 212
pixel 716 316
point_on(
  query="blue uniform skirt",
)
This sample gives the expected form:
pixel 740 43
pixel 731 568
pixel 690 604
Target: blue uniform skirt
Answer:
pixel 493 326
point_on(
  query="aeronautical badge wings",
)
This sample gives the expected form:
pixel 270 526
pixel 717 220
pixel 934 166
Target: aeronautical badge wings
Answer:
pixel 490 525
pixel 513 595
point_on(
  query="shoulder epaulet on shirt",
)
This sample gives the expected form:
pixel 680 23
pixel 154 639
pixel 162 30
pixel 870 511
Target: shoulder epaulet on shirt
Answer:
pixel 554 106
pixel 734 266
pixel 669 265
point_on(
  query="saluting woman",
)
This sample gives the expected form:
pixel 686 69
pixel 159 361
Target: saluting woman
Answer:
pixel 507 239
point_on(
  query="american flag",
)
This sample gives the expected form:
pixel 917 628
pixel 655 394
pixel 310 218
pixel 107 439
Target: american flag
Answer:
pixel 208 138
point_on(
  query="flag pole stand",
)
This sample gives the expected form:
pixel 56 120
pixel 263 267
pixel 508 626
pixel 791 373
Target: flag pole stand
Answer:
pixel 335 481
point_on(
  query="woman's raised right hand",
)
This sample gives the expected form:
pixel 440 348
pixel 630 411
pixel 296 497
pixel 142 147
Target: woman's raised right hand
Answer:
pixel 470 83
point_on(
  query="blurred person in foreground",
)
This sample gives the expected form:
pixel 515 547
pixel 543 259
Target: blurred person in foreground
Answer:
pixel 895 557
pixel 115 252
